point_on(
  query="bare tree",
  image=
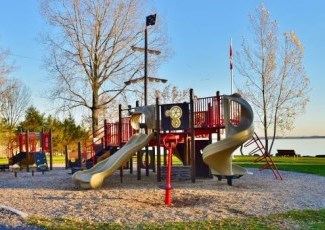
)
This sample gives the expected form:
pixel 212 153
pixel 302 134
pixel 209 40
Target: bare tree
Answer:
pixel 275 80
pixel 172 94
pixel 5 70
pixel 14 103
pixel 5 90
pixel 90 55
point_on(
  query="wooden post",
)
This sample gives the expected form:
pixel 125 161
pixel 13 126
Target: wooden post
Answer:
pixel 193 169
pixel 147 157
pixel 120 130
pixel 139 155
pixel 42 141
pixel 153 159
pixel 105 133
pixel 21 140
pixel 79 154
pixel 218 116
pixel 27 150
pixel 51 149
pixel 66 160
pixel 158 141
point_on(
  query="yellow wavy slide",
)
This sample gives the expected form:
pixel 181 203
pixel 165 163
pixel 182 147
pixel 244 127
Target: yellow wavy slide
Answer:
pixel 95 176
pixel 218 155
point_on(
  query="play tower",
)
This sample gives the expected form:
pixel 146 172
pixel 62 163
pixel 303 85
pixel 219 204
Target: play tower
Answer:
pixel 195 123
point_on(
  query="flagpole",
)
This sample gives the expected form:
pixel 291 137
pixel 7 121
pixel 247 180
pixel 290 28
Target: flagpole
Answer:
pixel 231 68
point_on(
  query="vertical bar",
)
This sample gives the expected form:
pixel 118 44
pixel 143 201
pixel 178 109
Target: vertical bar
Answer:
pixel 145 64
pixel 121 174
pixel 120 125
pixel 147 160
pixel 186 150
pixel 51 149
pixel 153 159
pixel 79 154
pixel 193 173
pixel 27 149
pixel 218 116
pixel 139 155
pixel 42 140
pixel 105 133
pixel 20 140
pixel 139 165
pixel 66 157
pixel 158 141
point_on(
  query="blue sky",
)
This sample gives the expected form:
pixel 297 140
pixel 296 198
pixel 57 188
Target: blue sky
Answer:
pixel 199 34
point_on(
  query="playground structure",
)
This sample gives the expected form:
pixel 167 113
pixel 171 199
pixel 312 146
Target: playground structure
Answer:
pixel 29 150
pixel 175 118
pixel 195 123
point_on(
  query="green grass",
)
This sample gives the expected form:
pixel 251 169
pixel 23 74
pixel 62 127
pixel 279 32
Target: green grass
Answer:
pixel 303 168
pixel 287 160
pixel 311 165
pixel 306 219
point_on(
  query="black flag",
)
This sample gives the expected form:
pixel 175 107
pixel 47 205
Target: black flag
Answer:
pixel 151 20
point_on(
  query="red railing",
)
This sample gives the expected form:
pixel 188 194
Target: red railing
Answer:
pixel 89 148
pixel 207 112
pixel 208 115
pixel 112 134
pixel 127 130
pixel 235 112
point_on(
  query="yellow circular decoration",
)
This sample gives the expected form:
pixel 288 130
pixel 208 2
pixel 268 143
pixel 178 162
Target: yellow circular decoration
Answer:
pixel 175 112
pixel 167 113
pixel 176 122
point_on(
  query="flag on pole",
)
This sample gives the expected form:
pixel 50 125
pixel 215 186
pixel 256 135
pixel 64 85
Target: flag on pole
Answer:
pixel 231 68
pixel 230 55
pixel 151 20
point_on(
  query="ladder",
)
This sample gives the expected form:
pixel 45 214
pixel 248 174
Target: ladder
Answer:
pixel 264 157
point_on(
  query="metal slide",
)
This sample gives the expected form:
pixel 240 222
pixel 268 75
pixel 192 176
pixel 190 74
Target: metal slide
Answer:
pixel 95 176
pixel 218 155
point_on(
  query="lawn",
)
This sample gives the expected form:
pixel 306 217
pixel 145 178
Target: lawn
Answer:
pixel 306 219
pixel 312 165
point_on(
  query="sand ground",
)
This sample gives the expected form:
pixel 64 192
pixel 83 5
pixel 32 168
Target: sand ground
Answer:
pixel 136 201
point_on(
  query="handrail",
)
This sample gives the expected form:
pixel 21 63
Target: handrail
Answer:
pixel 265 156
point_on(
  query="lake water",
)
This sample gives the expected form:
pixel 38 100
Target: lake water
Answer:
pixel 302 146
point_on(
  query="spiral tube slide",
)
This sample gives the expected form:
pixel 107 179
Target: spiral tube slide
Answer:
pixel 94 177
pixel 218 155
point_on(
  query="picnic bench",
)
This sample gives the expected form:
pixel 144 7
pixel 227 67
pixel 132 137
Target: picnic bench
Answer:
pixel 286 153
pixel 3 167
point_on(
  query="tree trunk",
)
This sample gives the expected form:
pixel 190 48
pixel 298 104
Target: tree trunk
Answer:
pixel 95 112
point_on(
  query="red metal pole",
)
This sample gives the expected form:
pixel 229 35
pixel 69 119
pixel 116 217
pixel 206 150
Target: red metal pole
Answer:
pixel 170 142
pixel 168 194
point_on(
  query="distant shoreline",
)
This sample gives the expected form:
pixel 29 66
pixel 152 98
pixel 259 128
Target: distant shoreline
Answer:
pixel 297 137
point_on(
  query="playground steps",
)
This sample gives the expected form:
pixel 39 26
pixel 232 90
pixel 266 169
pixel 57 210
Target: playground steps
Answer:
pixel 265 157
